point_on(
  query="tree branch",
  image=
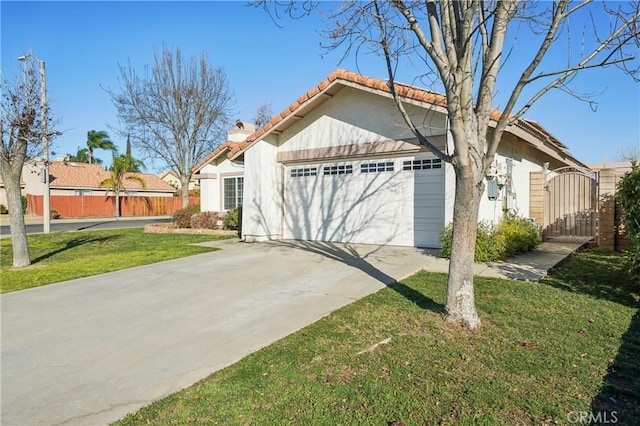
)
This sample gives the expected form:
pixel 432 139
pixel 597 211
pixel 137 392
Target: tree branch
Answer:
pixel 423 140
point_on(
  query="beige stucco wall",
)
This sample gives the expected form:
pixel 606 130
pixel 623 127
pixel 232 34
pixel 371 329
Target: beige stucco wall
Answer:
pixel 211 182
pixel 262 204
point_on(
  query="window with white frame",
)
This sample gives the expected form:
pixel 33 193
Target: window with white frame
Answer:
pixel 232 192
pixel 426 164
pixel 82 192
pixel 304 171
pixel 383 166
pixel 339 169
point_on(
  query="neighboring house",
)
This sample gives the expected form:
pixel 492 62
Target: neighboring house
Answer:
pixel 83 179
pixel 221 173
pixel 76 192
pixel 341 165
pixel 3 191
pixel 172 179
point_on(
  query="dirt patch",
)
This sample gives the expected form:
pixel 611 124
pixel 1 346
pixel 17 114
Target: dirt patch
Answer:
pixel 169 228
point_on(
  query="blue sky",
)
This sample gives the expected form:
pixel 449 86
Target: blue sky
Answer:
pixel 82 44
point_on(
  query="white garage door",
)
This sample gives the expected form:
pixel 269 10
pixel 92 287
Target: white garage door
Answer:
pixel 395 201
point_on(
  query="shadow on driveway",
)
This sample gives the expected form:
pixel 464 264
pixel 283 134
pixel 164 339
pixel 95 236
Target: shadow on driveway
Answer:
pixel 364 256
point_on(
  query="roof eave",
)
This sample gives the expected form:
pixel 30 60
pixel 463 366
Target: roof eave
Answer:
pixel 208 159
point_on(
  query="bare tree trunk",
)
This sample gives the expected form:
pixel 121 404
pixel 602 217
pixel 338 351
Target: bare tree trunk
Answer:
pixel 184 190
pixel 460 305
pixel 117 204
pixel 19 243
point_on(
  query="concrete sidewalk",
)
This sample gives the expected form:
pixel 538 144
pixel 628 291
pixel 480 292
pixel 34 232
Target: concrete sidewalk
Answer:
pixel 532 266
pixel 89 351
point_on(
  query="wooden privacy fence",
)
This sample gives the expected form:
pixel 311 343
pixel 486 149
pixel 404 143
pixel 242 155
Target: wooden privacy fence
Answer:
pixel 99 206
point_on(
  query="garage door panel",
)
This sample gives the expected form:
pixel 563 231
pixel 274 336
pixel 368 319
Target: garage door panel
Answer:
pixel 390 207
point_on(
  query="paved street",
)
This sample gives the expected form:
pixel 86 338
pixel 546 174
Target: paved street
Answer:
pixel 34 226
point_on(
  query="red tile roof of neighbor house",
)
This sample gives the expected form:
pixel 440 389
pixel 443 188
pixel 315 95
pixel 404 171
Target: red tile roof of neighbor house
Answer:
pixel 83 175
pixel 403 90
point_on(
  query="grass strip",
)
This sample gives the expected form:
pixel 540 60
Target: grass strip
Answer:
pixel 68 255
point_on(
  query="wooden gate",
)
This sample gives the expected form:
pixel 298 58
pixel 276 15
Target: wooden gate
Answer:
pixel 570 205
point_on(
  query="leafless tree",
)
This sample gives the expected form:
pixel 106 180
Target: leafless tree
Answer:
pixel 21 129
pixel 462 45
pixel 176 111
pixel 630 154
pixel 263 115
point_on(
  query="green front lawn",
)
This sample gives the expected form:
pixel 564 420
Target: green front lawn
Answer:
pixel 546 353
pixel 67 255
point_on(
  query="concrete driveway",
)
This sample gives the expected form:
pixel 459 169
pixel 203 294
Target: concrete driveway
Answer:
pixel 91 350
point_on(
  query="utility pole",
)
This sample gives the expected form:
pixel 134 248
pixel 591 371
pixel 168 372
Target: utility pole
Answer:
pixel 45 147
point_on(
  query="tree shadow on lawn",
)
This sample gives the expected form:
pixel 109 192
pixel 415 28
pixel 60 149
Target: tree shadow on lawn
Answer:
pixel 620 392
pixel 599 274
pixel 605 276
pixel 76 242
pixel 357 256
pixel 418 298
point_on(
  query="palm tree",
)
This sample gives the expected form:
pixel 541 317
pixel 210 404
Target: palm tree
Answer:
pixel 98 140
pixel 82 156
pixel 119 175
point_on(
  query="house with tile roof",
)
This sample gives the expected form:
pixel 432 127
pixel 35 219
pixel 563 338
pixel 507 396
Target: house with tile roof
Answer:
pixel 75 186
pixel 221 173
pixel 83 179
pixel 171 177
pixel 340 164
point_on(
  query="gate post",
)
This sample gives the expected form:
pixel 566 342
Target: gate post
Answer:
pixel 536 197
pixel 606 207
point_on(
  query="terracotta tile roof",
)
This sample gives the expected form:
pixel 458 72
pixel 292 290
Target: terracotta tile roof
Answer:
pixel 82 175
pixel 229 148
pixel 403 90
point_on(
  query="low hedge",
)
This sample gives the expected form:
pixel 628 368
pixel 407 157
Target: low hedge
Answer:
pixel 509 237
pixel 206 220
pixel 182 217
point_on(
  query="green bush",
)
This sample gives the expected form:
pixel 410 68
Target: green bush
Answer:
pixel 205 220
pixel 24 204
pixel 182 217
pixel 496 242
pixel 518 234
pixel 628 194
pixel 3 209
pixel 233 219
pixel 53 214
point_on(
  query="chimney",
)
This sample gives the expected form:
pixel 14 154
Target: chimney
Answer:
pixel 240 131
